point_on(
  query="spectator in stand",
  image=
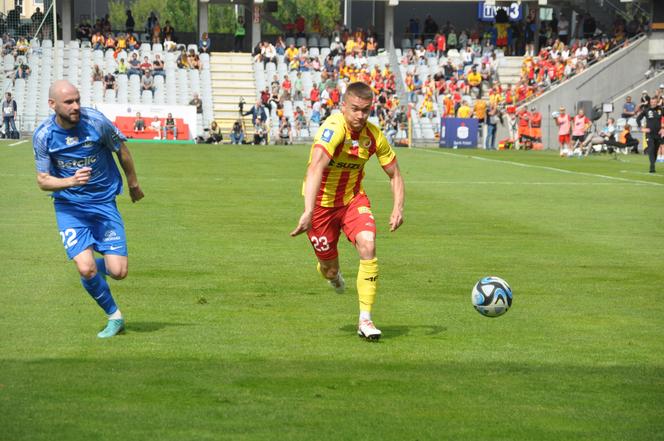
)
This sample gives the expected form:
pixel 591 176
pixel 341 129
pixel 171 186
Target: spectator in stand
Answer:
pixel 98 41
pixel 145 66
pixel 169 45
pixel 155 126
pixel 22 46
pixel 265 96
pixel 280 46
pixel 286 87
pixel 298 88
pixel 430 27
pixel 122 67
pixel 132 42
pixel 372 47
pixel 97 74
pixel 139 123
pixel 83 31
pixel 182 60
pixel 300 25
pixel 237 133
pixel 291 53
pixel 196 101
pixel 195 62
pixel 109 82
pixel 158 66
pixel 120 45
pixel 129 23
pixel 151 21
pixel 337 47
pixel 629 108
pixel 563 29
pixel 156 33
pixel 134 65
pixel 300 121
pixel 257 112
pixel 475 82
pixel 204 43
pixel 285 131
pixel 110 42
pixel 170 126
pixel 22 70
pixel 169 32
pixel 147 82
pixel 441 44
pixel 464 110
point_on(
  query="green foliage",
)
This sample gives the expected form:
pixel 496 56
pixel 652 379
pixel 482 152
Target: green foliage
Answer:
pixel 221 18
pixel 328 11
pixel 181 13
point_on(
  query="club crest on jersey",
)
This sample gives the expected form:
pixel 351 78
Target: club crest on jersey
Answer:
pixel 71 140
pixel 327 135
pixel 111 235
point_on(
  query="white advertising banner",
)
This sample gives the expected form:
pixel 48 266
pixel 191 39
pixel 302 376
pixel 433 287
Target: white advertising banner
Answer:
pixel 149 111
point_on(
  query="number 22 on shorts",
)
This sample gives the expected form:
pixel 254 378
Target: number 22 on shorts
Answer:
pixel 68 238
pixel 320 243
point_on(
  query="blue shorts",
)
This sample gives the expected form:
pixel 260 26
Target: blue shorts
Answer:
pixel 98 225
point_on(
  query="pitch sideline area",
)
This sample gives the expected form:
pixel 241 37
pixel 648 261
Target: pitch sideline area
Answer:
pixel 231 334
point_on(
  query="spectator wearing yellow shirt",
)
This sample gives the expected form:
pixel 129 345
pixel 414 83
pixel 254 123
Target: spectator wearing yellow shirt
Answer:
pixel 475 81
pixel 350 46
pixel 426 108
pixel 479 110
pixel 292 52
pixel 464 110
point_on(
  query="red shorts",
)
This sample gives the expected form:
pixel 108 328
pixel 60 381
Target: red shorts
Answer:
pixel 328 222
pixel 564 139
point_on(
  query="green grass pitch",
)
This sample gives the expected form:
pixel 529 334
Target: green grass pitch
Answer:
pixel 232 335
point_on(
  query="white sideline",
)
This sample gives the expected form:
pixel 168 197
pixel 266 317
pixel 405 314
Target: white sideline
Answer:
pixel 18 143
pixel 543 167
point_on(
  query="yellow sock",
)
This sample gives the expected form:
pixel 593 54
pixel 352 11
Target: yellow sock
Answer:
pixel 367 282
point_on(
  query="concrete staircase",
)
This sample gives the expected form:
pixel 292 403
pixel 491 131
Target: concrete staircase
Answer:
pixel 509 70
pixel 232 79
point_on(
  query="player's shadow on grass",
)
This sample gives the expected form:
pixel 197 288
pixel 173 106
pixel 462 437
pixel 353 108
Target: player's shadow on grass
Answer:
pixel 151 326
pixel 404 330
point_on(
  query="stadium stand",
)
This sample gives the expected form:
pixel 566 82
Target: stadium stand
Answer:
pixel 75 63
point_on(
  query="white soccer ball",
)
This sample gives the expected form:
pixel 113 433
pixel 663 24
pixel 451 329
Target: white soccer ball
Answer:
pixel 491 296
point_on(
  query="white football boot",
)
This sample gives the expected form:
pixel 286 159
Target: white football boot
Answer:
pixel 366 329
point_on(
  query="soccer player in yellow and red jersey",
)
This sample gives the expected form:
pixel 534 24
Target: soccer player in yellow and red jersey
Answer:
pixel 334 199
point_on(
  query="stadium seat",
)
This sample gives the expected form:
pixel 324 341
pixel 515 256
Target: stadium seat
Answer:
pixel 146 97
pixel 312 43
pixel 324 52
pixel 405 44
pixel 289 41
pixel 324 42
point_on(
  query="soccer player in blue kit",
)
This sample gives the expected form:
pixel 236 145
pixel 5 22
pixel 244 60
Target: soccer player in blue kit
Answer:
pixel 74 159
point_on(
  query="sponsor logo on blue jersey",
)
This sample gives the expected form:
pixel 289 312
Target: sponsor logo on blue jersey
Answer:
pixel 327 135
pixel 85 162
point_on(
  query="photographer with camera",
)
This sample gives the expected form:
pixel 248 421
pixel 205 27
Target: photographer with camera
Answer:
pixel 237 133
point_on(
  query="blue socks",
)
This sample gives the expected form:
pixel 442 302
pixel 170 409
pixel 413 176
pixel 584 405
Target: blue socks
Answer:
pixel 100 292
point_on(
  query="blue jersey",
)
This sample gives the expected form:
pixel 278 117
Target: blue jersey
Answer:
pixel 91 143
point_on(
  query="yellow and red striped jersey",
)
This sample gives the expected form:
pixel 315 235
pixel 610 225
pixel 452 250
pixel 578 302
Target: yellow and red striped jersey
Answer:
pixel 348 152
